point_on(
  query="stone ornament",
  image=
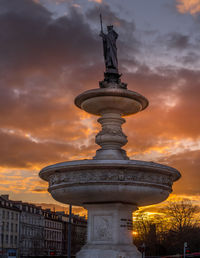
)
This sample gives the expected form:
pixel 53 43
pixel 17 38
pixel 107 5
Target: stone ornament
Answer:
pixel 110 176
pixel 103 228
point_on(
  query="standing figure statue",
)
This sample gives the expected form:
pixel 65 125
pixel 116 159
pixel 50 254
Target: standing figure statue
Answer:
pixel 110 49
pixel 111 76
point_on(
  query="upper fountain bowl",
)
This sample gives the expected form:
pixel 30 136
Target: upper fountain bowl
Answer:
pixel 99 101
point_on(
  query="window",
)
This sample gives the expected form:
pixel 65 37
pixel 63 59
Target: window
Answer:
pixel 11 227
pixel 15 239
pixel 3 215
pixel 16 215
pixel 3 226
pixel 12 215
pixel 11 240
pixel 6 239
pixel 7 226
pixel 8 214
pixel 16 228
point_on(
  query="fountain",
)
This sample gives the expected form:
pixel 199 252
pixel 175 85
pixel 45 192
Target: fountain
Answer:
pixel 110 186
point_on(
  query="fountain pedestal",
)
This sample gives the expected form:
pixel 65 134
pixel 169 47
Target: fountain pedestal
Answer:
pixel 109 231
pixel 110 186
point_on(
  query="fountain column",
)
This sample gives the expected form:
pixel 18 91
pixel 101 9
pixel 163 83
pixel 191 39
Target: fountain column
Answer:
pixel 111 138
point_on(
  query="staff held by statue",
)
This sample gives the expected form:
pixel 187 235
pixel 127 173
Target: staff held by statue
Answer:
pixel 101 23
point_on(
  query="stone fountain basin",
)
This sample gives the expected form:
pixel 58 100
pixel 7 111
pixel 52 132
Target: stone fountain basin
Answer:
pixel 98 101
pixel 101 181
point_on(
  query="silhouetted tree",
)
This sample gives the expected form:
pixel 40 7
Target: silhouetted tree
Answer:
pixel 166 233
pixel 181 215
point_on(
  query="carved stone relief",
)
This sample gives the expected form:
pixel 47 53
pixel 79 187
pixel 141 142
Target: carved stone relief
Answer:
pixel 110 176
pixel 102 228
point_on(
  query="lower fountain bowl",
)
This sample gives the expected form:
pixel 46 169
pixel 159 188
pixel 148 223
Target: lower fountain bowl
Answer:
pixel 103 181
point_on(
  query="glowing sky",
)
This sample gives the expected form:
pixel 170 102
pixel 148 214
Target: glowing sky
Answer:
pixel 50 51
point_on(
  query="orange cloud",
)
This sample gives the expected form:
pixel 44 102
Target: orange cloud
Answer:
pixel 188 6
pixel 96 1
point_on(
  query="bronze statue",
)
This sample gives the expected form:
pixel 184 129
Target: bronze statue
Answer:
pixel 110 49
pixel 111 75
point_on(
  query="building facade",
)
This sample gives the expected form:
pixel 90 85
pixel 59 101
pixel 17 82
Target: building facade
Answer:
pixel 9 228
pixel 53 233
pixel 27 230
pixel 78 233
pixel 31 230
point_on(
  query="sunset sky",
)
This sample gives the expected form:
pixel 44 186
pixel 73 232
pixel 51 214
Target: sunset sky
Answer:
pixel 50 51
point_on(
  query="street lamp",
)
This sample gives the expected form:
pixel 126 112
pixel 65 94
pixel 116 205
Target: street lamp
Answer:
pixel 69 233
pixel 143 250
pixel 184 249
pixel 2 239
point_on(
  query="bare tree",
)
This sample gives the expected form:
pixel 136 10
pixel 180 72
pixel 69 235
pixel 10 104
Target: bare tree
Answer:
pixel 166 232
pixel 149 231
pixel 181 215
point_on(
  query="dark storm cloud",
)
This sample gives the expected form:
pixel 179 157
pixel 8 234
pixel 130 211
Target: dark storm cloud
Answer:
pixel 175 41
pixel 190 58
pixel 44 63
pixel 37 41
pixel 38 59
pixel 19 151
pixel 188 163
pixel 178 41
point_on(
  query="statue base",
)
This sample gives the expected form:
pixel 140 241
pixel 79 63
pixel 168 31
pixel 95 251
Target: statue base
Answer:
pixel 111 251
pixel 109 232
pixel 112 80
pixel 111 154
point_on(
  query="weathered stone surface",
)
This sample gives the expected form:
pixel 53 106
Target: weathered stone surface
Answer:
pixel 123 101
pixel 111 137
pixel 132 181
pixel 110 185
pixel 111 104
pixel 109 231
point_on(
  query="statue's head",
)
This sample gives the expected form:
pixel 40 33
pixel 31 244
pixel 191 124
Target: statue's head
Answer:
pixel 112 32
pixel 110 28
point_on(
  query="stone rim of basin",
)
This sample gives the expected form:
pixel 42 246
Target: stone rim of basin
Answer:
pixel 85 164
pixel 133 97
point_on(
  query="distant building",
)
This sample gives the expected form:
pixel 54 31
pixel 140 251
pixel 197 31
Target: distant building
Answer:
pixel 31 231
pixel 9 227
pixel 65 220
pixel 78 234
pixel 53 233
pixel 27 230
